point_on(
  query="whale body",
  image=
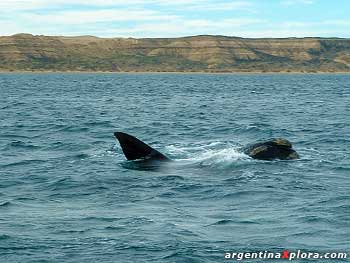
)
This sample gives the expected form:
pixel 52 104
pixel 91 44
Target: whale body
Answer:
pixel 276 148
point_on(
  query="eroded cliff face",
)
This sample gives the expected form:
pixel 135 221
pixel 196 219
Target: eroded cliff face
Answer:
pixel 198 53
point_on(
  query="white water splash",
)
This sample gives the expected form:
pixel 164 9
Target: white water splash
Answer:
pixel 176 149
pixel 215 154
pixel 221 157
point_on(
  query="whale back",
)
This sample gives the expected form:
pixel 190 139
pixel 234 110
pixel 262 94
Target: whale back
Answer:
pixel 134 149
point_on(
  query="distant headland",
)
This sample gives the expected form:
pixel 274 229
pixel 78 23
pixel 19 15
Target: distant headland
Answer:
pixel 203 53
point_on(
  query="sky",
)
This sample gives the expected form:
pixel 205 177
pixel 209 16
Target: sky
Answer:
pixel 177 18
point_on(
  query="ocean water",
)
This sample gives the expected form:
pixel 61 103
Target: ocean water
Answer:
pixel 67 193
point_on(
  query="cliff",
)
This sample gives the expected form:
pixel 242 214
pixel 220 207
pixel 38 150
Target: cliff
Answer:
pixel 25 52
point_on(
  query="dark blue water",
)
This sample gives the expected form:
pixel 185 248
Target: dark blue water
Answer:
pixel 66 194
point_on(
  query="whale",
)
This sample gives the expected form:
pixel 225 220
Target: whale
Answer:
pixel 272 149
pixel 135 149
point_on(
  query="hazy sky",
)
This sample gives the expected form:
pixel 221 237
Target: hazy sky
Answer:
pixel 174 18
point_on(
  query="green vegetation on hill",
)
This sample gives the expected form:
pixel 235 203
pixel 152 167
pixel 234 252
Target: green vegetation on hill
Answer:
pixel 25 52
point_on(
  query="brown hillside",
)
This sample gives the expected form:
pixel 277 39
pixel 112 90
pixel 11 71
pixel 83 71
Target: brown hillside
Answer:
pixel 198 53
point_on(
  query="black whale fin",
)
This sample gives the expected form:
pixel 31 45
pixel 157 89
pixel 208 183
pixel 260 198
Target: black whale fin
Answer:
pixel 135 149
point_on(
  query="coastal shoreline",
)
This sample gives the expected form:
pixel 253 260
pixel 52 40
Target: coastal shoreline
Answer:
pixel 193 54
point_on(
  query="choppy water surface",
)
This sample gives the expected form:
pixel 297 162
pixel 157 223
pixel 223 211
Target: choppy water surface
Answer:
pixel 67 195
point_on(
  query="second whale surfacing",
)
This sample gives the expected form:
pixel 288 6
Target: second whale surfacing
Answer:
pixel 136 150
pixel 276 148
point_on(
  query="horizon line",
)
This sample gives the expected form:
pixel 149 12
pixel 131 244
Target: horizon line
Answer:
pixel 177 37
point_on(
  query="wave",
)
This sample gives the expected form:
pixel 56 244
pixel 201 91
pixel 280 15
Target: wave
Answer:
pixel 230 221
pixel 3 237
pixel 23 162
pixel 21 145
pixel 5 204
